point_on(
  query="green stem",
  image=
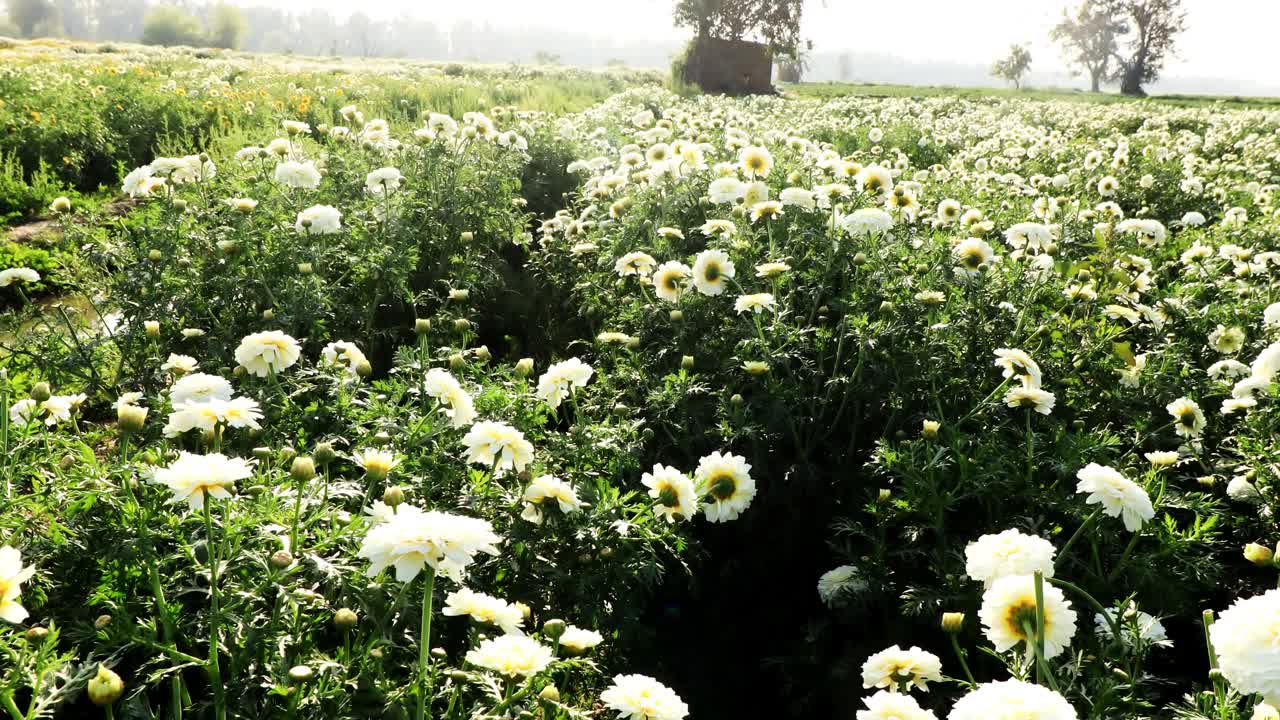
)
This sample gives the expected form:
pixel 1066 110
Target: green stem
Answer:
pixel 297 518
pixel 215 672
pixel 1079 531
pixel 955 645
pixel 6 699
pixel 1097 606
pixel 424 644
pixel 1124 557
pixel 1041 665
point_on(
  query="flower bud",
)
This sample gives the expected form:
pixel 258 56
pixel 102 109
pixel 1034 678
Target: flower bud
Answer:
pixel 686 362
pixel 102 621
pixel 952 622
pixel 482 354
pixel 287 454
pixel 131 418
pixel 281 559
pixel 364 368
pixel 462 324
pixel 439 653
pixel 303 469
pixel 554 628
pixel 676 315
pixel 262 453
pixel 324 453
pixel 457 361
pixel 304 268
pixel 884 495
pixel 301 674
pixel 106 687
pixel 393 495
pixel 550 693
pixel 524 367
pixel 67 461
pixel 152 329
pixel 41 392
pixel 179 204
pixel 228 247
pixel 1259 555
pixel 345 618
pixel 459 295
pixel 60 205
pixel 468 236
pixel 525 610
pixel 36 634
pixel 887 307
pixel 268 314
pixel 155 256
pixel 860 259
pixel 736 400
pixel 930 429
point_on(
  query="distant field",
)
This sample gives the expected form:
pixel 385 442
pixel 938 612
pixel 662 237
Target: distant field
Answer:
pixel 832 89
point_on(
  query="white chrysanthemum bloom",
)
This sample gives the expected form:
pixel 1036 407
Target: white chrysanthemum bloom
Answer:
pixel 484 609
pixel 269 352
pixel 771 269
pixel 135 183
pixel 1267 364
pixel 1040 400
pixel 1009 609
pixel 867 221
pixel 874 181
pixel 191 477
pixel 727 480
pixel 755 161
pixel 1245 637
pixel 1271 315
pixel 199 387
pixel 675 493
pixel 319 220
pixel 1011 552
pixel 1193 219
pixel 24 412
pixel 549 487
pixel 1148 232
pixel 894 667
pixel 1135 625
pixel 1016 363
pixel 455 401
pixel 669 280
pixel 497 445
pixel 1162 458
pixel 1226 369
pixel 578 640
pixel 1028 236
pixel 640 697
pixel 972 254
pixel 726 190
pixel 798 197
pixel 1118 495
pixel 560 380
pixel 710 271
pixel 1120 312
pixel 838 582
pixel 635 263
pixel 345 355
pixel 383 180
pixel 206 415
pixel 298 174
pixel 888 705
pixel 180 364
pixel 413 539
pixel 376 463
pixel 755 303
pixel 512 655
pixel 1012 700
pixel 1241 490
pixel 19 274
pixel 128 399
pixel 718 228
pixel 12 575
pixel 768 210
pixel 1227 340
pixel 1188 418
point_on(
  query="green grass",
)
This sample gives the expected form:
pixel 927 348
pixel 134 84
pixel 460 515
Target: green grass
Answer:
pixel 829 90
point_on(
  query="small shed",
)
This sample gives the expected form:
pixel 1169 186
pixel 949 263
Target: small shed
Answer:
pixel 732 67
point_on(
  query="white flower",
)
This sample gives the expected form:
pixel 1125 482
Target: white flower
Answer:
pixel 1011 552
pixel 893 666
pixel 640 697
pixel 376 463
pixel 1117 494
pixel 635 263
pixel 1009 609
pixel 973 253
pixel 1188 419
pixel 677 498
pixel 755 303
pixel 1016 363
pixel 295 174
pixel 383 180
pixel 24 412
pixel 457 404
pixel 18 274
pixel 798 197
pixel 345 355
pixel 266 353
pixel 319 220
pixel 578 640
pixel 710 270
pixel 12 575
pixel 1241 490
pixel 561 378
pixel 1244 637
pixel 199 387
pixel 669 280
pixel 548 487
pixel 413 539
pixel 191 477
pixel 727 480
pixel 512 655
pixel 726 190
pixel 1040 400
pixel 1028 235
pixel 866 222
pixel 497 445
pixel 1012 700
pixel 484 609
pixel 888 705
pixel 182 364
pixel 838 582
pixel 1226 340
pixel 1134 625
pixel 136 182
pixel 755 161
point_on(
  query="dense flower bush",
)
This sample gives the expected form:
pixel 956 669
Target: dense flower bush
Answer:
pixel 907 408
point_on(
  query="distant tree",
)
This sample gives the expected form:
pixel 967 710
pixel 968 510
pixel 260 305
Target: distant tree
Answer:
pixel 776 23
pixel 542 57
pixel 1014 65
pixel 119 20
pixel 167 25
pixel 1151 27
pixel 227 26
pixel 7 28
pixel 76 17
pixel 791 68
pixel 30 15
pixel 845 67
pixel 360 33
pixel 1089 38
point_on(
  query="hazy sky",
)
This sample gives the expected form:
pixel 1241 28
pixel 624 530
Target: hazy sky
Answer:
pixel 1226 38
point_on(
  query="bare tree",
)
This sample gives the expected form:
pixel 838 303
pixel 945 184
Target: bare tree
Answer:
pixel 1014 65
pixel 1151 27
pixel 1089 38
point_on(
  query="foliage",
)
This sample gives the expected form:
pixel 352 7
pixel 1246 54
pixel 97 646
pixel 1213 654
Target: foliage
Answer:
pixel 1152 30
pixel 776 23
pixel 168 25
pixel 1089 39
pixel 1014 65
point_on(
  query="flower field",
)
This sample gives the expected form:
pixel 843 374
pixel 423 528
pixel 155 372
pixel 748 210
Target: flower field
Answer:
pixel 656 408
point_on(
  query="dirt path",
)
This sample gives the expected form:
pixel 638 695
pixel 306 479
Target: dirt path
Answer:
pixel 38 229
